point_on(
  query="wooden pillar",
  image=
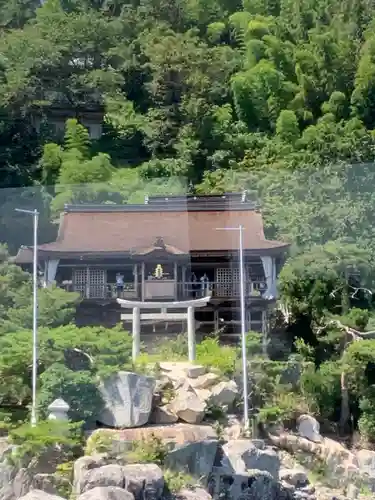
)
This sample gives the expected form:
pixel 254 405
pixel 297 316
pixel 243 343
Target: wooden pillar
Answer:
pixel 87 282
pixel 136 333
pixel 183 278
pixel 135 273
pixel 143 281
pixel 175 281
pixel 191 332
pixel 216 320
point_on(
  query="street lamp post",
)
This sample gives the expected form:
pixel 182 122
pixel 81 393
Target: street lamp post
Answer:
pixel 240 229
pixel 35 215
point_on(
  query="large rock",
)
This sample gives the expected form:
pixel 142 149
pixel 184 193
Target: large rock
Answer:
pixel 205 381
pixel 181 369
pixel 224 393
pixel 187 406
pixel 366 462
pixel 242 454
pixel 295 477
pixel 196 459
pixel 121 440
pixel 194 494
pixel 108 475
pixel 40 495
pixel 81 467
pixel 144 481
pixel 259 485
pixel 107 493
pixel 163 415
pixel 50 483
pixel 128 400
pixel 309 428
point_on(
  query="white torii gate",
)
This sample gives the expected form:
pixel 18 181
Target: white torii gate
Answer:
pixel 137 316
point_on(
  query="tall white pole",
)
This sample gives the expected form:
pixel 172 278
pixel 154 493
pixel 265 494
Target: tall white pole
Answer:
pixel 240 228
pixel 35 318
pixel 243 335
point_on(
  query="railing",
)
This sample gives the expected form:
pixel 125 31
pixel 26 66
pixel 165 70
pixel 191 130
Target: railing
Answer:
pixel 221 290
pixel 185 290
pixel 104 291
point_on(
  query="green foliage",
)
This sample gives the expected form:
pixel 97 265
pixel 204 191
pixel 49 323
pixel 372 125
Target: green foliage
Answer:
pixel 254 344
pixel 215 356
pixel 176 481
pixel 148 451
pixel 78 389
pixel 357 318
pixel 322 388
pixel 33 442
pixel 366 423
pixel 106 351
pixel 99 442
pixel 55 306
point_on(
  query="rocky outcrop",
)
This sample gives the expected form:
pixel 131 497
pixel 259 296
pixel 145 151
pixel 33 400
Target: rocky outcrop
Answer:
pixel 107 493
pixel 40 495
pixel 308 427
pixel 242 455
pixel 194 389
pixel 120 441
pixel 196 458
pixel 127 398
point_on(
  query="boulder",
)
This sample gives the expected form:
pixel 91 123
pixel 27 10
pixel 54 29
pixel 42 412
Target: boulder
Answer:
pixel 106 493
pixel 194 494
pixel 181 369
pixel 81 467
pixel 187 406
pixel 295 477
pixel 108 475
pixel 144 481
pixel 122 439
pixel 309 428
pixel 196 459
pixel 40 495
pixel 224 393
pixel 366 462
pixel 50 483
pixel 205 381
pixel 162 415
pixel 250 485
pixel 195 371
pixel 128 400
pixel 241 455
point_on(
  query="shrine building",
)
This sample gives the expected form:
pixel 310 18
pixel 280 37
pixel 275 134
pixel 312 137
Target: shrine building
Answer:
pixel 172 249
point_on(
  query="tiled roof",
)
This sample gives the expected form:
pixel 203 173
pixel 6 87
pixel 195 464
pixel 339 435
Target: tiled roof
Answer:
pixel 136 232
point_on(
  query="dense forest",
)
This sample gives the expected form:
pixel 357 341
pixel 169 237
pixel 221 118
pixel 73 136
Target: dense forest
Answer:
pixel 272 96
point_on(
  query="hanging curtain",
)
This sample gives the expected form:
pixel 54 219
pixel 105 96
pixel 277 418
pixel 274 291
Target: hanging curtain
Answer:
pixel 270 273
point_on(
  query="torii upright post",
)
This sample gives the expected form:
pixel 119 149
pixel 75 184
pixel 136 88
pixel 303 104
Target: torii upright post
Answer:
pixel 191 333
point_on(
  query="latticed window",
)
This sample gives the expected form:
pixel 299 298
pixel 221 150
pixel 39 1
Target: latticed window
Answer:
pixel 90 282
pixel 227 281
pixel 80 280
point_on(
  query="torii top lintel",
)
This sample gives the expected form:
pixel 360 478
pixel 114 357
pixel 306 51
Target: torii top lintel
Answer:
pixel 130 304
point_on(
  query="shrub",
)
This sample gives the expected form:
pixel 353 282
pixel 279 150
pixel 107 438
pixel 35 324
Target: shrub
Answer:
pixel 99 442
pixel 34 441
pixel 212 355
pixel 254 344
pixel 78 389
pixel 357 318
pixel 108 349
pixel 150 451
pixel 176 481
pixel 323 387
